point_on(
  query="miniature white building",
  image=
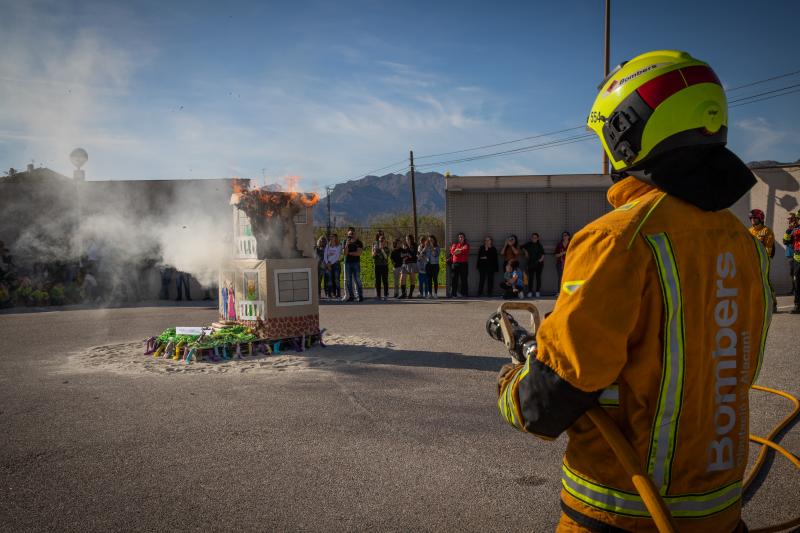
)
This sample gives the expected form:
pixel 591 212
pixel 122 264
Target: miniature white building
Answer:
pixel 269 284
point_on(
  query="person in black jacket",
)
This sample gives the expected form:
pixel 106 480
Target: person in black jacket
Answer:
pixel 534 251
pixel 409 253
pixel 487 266
pixel 397 264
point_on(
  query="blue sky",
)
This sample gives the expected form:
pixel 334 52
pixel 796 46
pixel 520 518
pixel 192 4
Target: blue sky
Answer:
pixel 330 90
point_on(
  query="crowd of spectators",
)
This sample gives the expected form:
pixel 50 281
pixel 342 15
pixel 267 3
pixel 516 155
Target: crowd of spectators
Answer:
pixel 412 265
pixel 522 266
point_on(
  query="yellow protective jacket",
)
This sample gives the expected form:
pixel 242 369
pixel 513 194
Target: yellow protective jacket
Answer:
pixel 662 318
pixel 767 238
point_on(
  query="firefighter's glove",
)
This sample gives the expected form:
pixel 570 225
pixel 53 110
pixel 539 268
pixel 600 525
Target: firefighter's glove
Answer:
pixel 507 373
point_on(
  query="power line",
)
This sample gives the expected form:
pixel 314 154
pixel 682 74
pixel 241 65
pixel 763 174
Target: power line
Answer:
pixel 382 168
pixel 531 148
pixel 581 127
pixel 764 98
pixel 738 102
pixel 762 94
pixel 501 143
pixel 580 138
pixel 762 81
pixel 512 151
pixel 759 97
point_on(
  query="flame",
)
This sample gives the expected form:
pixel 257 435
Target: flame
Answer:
pixel 269 202
pixel 291 183
pixel 305 199
pixel 239 185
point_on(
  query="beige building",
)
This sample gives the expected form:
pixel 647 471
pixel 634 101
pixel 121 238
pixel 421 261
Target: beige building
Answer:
pixel 40 210
pixel 777 193
pixel 497 206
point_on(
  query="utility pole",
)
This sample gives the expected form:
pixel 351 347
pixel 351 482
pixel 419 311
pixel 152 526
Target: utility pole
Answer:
pixel 607 49
pixel 328 191
pixel 413 194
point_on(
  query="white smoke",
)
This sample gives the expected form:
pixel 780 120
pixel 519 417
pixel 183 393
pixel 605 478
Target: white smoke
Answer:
pixel 125 231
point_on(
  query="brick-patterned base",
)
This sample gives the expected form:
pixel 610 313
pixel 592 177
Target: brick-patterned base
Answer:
pixel 285 327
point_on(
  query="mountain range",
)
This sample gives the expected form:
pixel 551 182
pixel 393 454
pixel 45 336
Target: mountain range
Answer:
pixel 357 202
pixel 769 163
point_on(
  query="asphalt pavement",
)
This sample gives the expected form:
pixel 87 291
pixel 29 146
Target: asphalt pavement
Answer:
pixel 408 440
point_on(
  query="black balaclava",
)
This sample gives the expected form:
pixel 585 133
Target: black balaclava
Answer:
pixel 709 177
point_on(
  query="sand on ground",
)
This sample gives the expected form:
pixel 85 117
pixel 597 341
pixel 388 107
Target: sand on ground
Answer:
pixel 129 358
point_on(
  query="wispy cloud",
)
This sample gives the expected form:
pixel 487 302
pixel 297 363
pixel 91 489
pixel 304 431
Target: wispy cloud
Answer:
pixel 88 89
pixel 59 91
pixel 761 138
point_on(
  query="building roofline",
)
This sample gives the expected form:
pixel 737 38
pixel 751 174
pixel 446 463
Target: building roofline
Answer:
pixel 525 175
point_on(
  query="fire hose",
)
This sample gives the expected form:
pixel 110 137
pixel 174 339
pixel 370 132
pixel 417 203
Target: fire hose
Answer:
pixel 514 337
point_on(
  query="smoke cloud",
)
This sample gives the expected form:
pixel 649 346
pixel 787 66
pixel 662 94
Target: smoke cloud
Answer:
pixel 125 230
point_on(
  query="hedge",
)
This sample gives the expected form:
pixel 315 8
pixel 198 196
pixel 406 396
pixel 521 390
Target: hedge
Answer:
pixel 368 271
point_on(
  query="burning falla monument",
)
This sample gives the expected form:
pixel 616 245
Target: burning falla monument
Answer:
pixel 269 282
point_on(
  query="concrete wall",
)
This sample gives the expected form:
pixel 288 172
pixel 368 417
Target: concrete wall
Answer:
pixel 497 206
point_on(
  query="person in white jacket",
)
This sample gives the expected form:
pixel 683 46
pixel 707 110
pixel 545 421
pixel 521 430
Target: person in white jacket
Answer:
pixel 333 253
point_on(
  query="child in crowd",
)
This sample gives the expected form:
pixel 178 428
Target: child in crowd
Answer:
pixel 512 284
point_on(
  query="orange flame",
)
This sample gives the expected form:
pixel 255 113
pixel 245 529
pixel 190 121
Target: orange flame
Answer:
pixel 269 202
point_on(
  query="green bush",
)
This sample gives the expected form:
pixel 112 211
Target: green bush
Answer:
pixel 394 226
pixel 57 296
pixel 5 296
pixel 22 295
pixel 368 270
pixel 40 297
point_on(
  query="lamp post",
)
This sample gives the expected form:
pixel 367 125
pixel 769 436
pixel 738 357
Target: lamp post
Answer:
pixel 413 194
pixel 328 191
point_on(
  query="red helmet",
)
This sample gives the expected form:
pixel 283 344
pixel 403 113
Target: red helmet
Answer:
pixel 757 213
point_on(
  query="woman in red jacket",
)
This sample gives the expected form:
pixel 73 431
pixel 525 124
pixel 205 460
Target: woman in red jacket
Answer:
pixel 459 252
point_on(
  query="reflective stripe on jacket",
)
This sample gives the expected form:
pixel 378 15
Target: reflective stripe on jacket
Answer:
pixel 663 313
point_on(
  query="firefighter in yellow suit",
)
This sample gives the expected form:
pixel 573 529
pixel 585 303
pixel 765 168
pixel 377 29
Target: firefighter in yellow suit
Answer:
pixel 764 234
pixel 662 314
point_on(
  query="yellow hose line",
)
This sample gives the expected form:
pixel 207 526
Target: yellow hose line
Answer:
pixel 641 480
pixel 762 455
pixel 768 442
pixel 778 448
pixel 644 485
